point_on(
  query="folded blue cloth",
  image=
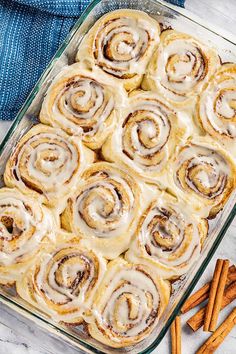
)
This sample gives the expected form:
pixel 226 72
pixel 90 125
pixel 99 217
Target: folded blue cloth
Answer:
pixel 30 33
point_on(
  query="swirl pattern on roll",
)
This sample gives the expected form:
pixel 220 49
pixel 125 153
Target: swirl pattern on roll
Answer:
pixel 128 304
pixel 63 281
pixel 103 208
pixel 216 109
pixel 24 225
pixel 120 44
pixel 147 135
pixel 204 175
pixel 168 237
pixel 81 103
pixel 46 162
pixel 180 67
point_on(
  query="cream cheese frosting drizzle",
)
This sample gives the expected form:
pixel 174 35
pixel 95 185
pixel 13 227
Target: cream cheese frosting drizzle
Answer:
pixel 46 161
pixel 104 204
pixel 180 67
pixel 216 109
pixel 24 225
pixel 104 208
pixel 83 103
pixel 147 135
pixel 63 282
pixel 120 45
pixel 129 305
pixel 168 237
pixel 204 173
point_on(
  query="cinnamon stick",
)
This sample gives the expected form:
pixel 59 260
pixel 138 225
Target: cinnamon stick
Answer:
pixel 216 295
pixel 176 336
pixel 219 296
pixel 203 293
pixel 197 320
pixel 219 335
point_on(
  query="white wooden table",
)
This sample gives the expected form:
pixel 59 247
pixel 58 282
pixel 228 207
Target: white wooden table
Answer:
pixel 21 336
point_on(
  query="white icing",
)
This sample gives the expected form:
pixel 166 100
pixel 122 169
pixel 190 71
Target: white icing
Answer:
pixel 121 320
pixel 104 208
pixel 50 160
pixel 212 173
pixel 217 110
pixel 124 48
pixel 31 223
pixel 166 239
pixel 85 104
pixel 145 137
pixel 180 67
pixel 121 44
pixel 66 298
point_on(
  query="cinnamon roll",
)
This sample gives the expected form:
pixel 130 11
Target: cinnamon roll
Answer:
pixel 146 136
pixel 120 45
pixel 128 304
pixel 203 175
pixel 216 108
pixel 46 162
pixel 24 226
pixel 168 237
pixel 180 67
pixel 62 282
pixel 104 208
pixel 82 103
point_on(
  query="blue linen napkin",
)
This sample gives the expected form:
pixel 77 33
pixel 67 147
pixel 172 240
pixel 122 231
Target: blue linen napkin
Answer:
pixel 30 33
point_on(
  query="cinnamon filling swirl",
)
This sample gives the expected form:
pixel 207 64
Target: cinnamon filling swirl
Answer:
pixel 145 134
pixel 130 306
pixel 168 237
pixel 206 173
pixel 180 67
pixel 63 281
pixel 216 109
pixel 119 43
pixel 104 205
pixel 85 103
pixel 45 161
pixel 24 224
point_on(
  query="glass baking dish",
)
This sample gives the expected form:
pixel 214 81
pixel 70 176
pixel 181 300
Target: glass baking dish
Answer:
pixel 27 117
